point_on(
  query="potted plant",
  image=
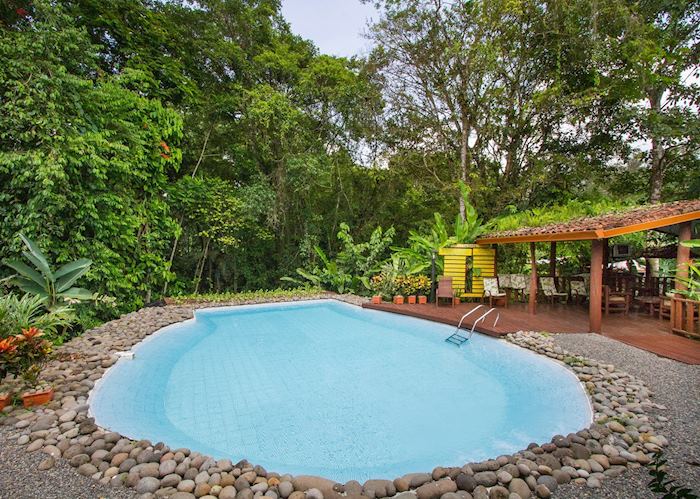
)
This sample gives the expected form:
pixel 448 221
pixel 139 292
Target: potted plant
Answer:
pixel 422 288
pixel 40 394
pixel 398 299
pixel 405 288
pixel 8 364
pixel 376 285
pixel 29 355
pixel 8 387
pixel 5 397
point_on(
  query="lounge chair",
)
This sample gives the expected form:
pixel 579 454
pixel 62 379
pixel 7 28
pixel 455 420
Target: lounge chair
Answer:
pixel 550 290
pixel 520 284
pixel 444 290
pixel 492 291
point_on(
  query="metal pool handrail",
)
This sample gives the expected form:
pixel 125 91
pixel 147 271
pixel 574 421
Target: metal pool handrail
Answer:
pixel 483 316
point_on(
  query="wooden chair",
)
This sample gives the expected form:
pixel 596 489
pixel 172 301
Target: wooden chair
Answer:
pixel 616 301
pixel 579 292
pixel 663 306
pixel 444 290
pixel 492 291
pixel 550 290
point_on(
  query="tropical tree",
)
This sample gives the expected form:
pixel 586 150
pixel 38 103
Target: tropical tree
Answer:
pixel 350 271
pixel 422 246
pixel 647 86
pixel 84 159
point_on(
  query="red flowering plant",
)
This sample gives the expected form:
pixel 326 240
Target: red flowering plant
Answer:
pixel 24 354
pixel 8 356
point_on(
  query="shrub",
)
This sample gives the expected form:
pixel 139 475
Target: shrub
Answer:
pixel 24 354
pixel 18 313
pixel 388 283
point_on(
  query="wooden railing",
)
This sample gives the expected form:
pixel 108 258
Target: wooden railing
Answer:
pixel 684 316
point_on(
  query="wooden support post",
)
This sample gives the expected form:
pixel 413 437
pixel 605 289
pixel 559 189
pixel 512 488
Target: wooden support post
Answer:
pixel 595 310
pixel 532 305
pixel 606 261
pixel 682 261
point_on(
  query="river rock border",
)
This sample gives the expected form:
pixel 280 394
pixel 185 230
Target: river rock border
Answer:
pixel 623 434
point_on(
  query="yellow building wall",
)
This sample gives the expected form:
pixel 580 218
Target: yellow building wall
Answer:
pixel 455 261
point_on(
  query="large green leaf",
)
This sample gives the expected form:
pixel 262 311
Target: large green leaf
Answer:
pixel 26 271
pixel 35 256
pixel 72 266
pixel 309 276
pixel 67 280
pixel 77 294
pixel 29 286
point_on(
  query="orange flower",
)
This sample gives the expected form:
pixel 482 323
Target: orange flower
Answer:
pixel 30 333
pixel 166 148
pixel 8 345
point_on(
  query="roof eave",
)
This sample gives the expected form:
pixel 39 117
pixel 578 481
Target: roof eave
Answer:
pixel 592 234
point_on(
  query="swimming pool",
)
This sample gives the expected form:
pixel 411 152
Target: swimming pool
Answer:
pixel 330 389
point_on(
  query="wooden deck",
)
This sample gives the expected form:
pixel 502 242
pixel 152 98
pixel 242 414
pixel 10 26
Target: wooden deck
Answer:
pixel 637 329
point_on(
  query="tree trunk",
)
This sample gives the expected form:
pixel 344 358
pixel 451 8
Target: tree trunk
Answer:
pixel 464 162
pixel 182 217
pixel 200 267
pixel 656 181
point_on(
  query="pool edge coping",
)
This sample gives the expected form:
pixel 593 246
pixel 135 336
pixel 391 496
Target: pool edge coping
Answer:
pixel 512 338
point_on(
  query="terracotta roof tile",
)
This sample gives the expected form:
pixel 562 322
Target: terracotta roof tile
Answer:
pixel 607 221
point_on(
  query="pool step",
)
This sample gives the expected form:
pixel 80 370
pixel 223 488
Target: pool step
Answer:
pixel 456 339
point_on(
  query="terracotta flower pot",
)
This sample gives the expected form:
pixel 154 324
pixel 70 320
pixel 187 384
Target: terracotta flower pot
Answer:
pixel 422 300
pixel 412 300
pixel 39 398
pixel 377 299
pixel 5 399
pixel 398 300
pixel 456 300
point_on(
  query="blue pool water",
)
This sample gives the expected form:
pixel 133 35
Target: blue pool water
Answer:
pixel 330 389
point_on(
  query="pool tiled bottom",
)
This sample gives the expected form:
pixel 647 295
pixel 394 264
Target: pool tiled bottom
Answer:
pixel 329 389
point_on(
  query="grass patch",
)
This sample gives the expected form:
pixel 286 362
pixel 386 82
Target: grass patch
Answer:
pixel 263 294
pixel 573 360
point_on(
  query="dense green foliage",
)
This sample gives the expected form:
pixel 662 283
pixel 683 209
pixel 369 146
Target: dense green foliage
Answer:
pixel 353 266
pixel 203 147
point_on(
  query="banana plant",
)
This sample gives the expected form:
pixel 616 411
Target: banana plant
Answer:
pixel 692 280
pixel 54 287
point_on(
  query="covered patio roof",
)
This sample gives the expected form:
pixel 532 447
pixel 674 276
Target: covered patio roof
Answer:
pixel 665 216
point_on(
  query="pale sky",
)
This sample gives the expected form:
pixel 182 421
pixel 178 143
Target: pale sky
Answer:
pixel 335 26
